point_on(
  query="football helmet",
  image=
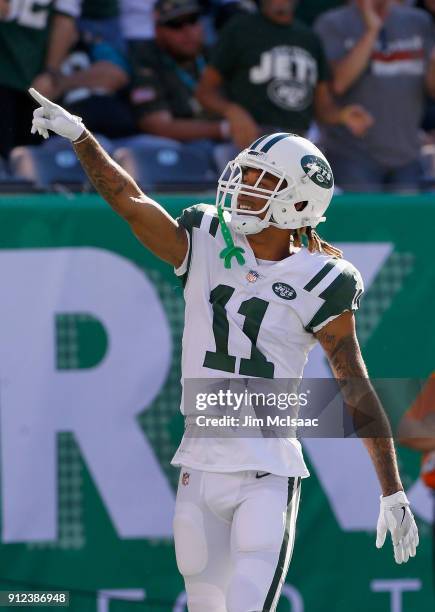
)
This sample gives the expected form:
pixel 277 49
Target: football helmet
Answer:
pixel 304 188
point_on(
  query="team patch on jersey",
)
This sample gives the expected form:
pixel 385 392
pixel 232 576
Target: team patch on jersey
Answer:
pixel 252 276
pixel 284 291
pixel 318 171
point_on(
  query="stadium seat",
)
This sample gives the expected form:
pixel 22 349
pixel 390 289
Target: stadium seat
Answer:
pixel 48 166
pixel 10 184
pixel 166 165
pixel 52 165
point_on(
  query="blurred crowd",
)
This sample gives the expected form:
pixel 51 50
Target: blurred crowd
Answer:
pixel 204 78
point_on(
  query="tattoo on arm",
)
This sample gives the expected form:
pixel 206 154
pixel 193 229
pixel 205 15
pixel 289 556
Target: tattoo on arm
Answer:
pixel 370 420
pixel 344 355
pixel 109 179
pixel 151 223
pixel 383 456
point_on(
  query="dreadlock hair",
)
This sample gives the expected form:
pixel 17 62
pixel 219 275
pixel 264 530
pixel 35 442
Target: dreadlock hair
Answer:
pixel 315 243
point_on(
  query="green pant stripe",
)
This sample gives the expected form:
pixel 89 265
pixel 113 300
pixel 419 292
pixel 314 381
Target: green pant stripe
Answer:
pixel 292 500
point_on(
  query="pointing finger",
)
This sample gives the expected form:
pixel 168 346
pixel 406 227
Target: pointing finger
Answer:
pixel 42 100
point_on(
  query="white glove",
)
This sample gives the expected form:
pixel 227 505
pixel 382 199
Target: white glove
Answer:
pixel 396 516
pixel 51 116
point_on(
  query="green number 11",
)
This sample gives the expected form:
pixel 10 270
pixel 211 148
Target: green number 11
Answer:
pixel 253 310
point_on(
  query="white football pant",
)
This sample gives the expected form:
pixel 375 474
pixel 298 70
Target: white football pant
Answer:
pixel 234 536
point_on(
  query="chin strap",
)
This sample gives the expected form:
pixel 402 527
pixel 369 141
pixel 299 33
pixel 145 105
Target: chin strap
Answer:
pixel 231 250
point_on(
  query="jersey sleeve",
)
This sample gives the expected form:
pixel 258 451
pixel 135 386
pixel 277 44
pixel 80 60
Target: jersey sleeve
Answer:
pixel 190 218
pixel 342 294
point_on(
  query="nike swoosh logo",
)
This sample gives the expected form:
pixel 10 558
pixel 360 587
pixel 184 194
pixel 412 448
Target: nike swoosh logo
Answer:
pixel 404 512
pixel 262 475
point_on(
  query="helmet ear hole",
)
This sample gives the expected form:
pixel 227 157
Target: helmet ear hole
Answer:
pixel 301 205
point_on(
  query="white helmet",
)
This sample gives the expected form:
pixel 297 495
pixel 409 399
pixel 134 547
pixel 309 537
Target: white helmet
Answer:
pixel 304 177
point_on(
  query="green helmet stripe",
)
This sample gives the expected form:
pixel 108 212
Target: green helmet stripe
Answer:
pixel 273 141
pixel 259 141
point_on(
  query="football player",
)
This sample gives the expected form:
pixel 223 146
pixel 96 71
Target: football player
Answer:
pixel 257 300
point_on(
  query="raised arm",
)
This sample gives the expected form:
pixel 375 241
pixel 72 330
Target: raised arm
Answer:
pixel 338 339
pixel 348 67
pixel 150 223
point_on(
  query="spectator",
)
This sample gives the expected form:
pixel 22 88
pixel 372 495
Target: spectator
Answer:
pixel 380 57
pixel 268 74
pixel 137 18
pixel 166 71
pixel 92 81
pixel 32 46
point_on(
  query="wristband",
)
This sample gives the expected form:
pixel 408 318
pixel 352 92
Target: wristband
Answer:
pixel 76 142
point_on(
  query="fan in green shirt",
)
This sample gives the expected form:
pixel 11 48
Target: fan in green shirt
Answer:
pixel 24 36
pixel 268 73
pixel 34 38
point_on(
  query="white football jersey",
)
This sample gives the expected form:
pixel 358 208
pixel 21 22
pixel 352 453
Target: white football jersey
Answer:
pixel 253 320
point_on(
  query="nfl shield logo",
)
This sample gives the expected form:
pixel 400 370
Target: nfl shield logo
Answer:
pixel 252 276
pixel 185 478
